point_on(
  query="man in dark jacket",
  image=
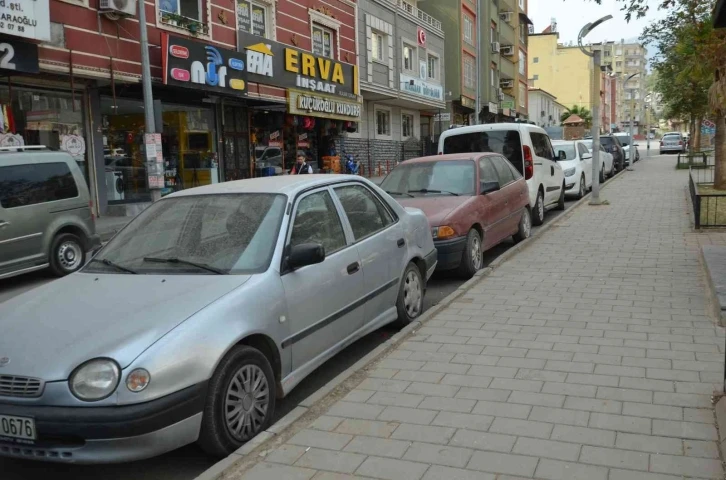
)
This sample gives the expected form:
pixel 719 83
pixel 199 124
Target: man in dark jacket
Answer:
pixel 301 166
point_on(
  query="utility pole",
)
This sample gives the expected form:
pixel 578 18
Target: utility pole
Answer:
pixel 149 124
pixel 478 62
pixel 631 148
pixel 595 95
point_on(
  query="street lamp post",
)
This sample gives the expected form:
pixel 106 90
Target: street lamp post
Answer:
pixel 631 159
pixel 149 123
pixel 595 198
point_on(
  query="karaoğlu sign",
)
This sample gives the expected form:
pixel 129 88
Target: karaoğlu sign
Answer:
pixel 300 102
pixel 276 64
pixel 186 63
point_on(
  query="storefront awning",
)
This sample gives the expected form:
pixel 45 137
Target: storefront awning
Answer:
pixel 523 18
pixel 719 14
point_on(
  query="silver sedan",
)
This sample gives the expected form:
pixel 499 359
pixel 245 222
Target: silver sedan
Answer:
pixel 207 307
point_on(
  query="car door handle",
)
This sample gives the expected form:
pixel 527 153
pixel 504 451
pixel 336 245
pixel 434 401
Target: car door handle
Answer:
pixel 353 268
pixel 552 171
pixel 401 242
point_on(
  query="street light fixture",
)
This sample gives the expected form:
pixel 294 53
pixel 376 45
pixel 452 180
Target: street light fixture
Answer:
pixel 595 54
pixel 631 160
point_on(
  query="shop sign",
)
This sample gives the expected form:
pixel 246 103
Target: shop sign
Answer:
pixel 468 102
pixel 442 117
pixel 506 112
pixel 417 86
pixel 279 65
pixel 18 56
pixel 509 104
pixel 421 35
pixel 154 160
pixel 300 102
pixel 25 18
pixel 493 107
pixel 186 63
pixel 708 127
pixel 251 18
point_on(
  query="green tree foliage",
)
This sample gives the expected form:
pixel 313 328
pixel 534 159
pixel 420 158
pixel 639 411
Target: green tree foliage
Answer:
pixel 581 112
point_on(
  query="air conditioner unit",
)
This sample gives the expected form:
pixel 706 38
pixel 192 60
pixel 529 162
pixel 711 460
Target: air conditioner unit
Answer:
pixel 496 46
pixel 506 83
pixel 507 50
pixel 500 94
pixel 116 9
pixel 505 16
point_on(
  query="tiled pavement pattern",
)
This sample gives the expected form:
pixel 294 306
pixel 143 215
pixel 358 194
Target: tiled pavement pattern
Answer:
pixel 589 355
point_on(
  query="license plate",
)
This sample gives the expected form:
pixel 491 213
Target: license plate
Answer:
pixel 22 428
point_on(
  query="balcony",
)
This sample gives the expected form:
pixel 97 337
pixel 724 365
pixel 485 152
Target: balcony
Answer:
pixel 507 35
pixel 186 24
pixel 422 16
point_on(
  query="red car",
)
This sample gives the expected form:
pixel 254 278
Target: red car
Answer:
pixel 473 202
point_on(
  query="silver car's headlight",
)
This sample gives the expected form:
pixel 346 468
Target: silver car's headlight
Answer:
pixel 570 172
pixel 95 380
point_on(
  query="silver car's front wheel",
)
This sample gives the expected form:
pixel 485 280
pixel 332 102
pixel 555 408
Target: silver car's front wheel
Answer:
pixel 246 402
pixel 409 304
pixel 240 401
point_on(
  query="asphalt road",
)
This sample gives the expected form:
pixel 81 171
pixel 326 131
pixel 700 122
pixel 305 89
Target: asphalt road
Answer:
pixel 188 462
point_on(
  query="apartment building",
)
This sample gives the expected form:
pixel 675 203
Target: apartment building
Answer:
pixel 402 68
pixel 544 109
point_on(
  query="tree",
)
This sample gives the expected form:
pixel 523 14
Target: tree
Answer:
pixel 691 54
pixel 581 112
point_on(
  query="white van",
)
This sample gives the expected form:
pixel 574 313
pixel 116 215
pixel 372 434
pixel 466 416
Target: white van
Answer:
pixel 527 147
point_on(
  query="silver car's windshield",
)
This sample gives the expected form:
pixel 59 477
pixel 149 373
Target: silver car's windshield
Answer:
pixel 202 234
pixel 624 139
pixel 431 178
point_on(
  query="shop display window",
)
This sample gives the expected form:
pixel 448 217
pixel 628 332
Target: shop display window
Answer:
pixel 30 116
pixel 188 146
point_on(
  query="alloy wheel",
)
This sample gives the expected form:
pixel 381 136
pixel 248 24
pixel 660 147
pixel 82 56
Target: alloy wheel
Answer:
pixel 476 254
pixel 412 295
pixel 246 402
pixel 69 256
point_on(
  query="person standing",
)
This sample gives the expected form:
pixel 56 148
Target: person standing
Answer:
pixel 301 166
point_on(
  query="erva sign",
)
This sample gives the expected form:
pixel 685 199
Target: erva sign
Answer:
pixel 276 64
pixel 186 63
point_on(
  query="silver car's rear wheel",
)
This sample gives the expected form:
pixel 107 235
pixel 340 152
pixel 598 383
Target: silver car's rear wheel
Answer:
pixel 246 402
pixel 240 400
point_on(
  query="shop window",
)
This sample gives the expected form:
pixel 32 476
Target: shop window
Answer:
pixel 186 8
pixel 383 122
pixel 22 185
pixel 322 41
pixel 365 212
pixel 469 71
pixel 377 46
pixel 254 18
pixel 49 118
pixel 188 148
pixel 317 221
pixel 409 57
pixel 407 125
pixel 433 67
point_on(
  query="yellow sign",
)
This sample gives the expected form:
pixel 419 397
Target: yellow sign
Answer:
pixel 314 105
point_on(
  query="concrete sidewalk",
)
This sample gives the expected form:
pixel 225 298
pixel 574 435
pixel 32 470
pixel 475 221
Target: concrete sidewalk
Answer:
pixel 589 355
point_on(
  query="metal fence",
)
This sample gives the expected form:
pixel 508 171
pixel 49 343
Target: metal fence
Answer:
pixel 694 160
pixel 709 205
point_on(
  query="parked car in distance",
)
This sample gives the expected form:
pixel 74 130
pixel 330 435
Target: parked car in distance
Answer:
pixel 45 213
pixel 606 159
pixel 628 145
pixel 473 202
pixel 527 147
pixel 577 166
pixel 612 145
pixel 672 142
pixel 201 312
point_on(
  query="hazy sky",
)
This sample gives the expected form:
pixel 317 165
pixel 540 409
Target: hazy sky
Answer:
pixel 572 15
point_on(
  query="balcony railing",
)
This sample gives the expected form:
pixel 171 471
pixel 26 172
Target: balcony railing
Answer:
pixel 423 16
pixel 194 27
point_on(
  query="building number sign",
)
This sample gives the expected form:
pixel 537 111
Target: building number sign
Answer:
pixel 19 56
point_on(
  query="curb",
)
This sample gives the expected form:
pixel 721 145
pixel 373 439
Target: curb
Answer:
pixel 219 469
pixel 718 309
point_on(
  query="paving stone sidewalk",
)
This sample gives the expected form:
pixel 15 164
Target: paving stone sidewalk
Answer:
pixel 589 355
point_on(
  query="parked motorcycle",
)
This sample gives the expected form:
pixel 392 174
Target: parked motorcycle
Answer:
pixel 352 166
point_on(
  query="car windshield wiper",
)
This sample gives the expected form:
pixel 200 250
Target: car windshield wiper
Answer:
pixel 114 265
pixel 426 190
pixel 398 193
pixel 181 261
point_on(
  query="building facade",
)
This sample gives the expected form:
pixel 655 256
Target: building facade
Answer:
pixel 401 58
pixel 544 109
pixel 79 90
pixel 625 60
pixel 564 71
